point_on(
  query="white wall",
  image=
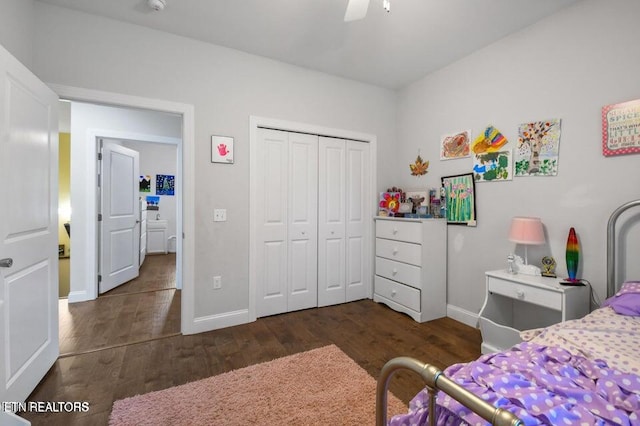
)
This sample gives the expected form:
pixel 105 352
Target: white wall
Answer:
pixel 158 159
pixel 87 122
pixel 567 66
pixel 226 87
pixel 16 29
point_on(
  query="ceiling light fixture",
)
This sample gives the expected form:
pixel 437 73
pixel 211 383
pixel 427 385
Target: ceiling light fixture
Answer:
pixel 157 5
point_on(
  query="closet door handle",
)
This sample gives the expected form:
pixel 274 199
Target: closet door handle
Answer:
pixel 6 263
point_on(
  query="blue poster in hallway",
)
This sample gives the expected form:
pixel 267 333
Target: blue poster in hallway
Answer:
pixel 165 184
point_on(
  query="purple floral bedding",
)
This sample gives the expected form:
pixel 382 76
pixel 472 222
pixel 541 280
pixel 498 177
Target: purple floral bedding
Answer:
pixel 580 372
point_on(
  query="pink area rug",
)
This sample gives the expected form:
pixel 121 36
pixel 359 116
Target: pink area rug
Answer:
pixel 318 387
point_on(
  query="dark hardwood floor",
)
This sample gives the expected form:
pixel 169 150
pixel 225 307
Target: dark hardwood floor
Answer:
pixel 368 332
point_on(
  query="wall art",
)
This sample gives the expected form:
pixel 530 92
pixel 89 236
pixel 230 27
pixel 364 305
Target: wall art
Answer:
pixel 145 183
pixel 455 145
pixel 621 128
pixel 460 199
pixel 493 166
pixel 222 149
pixel 491 140
pixel 165 184
pixel 537 151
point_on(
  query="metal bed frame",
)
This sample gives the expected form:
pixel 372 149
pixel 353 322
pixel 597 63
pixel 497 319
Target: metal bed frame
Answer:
pixel 436 380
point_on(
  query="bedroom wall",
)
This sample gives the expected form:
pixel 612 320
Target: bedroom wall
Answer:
pixel 16 29
pixel 226 87
pixel 566 66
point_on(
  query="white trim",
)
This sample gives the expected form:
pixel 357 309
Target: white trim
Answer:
pixel 254 123
pixel 227 319
pixel 185 217
pixel 462 315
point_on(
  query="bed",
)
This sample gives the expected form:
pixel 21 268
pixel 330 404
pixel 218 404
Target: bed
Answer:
pixel 579 372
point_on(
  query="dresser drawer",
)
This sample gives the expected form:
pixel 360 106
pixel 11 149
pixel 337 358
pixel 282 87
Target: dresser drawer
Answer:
pixel 397 271
pixel 399 293
pixel 410 232
pixel 538 296
pixel 399 251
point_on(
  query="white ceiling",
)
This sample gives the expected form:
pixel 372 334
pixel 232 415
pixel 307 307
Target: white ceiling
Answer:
pixel 386 49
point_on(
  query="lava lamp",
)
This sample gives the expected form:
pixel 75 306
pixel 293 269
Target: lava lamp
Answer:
pixel 572 256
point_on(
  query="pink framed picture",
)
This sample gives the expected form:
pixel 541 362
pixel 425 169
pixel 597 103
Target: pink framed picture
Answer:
pixel 621 128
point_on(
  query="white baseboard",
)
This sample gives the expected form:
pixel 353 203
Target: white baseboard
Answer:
pixel 466 317
pixel 214 322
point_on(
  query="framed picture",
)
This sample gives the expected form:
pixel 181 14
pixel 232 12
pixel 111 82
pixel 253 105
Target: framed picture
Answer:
pixel 620 123
pixel 460 199
pixel 222 149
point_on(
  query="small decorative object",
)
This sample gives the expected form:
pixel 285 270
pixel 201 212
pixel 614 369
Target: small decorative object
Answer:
pixel 389 203
pixel 491 140
pixel 459 199
pixel 420 167
pixel 572 256
pixel 510 260
pixel 455 145
pixel 620 124
pixel 417 198
pixel 145 183
pixel 537 152
pixel 222 149
pixel 405 208
pixel 165 184
pixel 548 267
pixel 526 231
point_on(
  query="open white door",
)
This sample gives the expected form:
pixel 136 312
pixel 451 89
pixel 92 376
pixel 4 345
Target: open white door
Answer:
pixel 28 229
pixel 120 212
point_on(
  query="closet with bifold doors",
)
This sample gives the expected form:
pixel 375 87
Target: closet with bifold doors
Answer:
pixel 313 221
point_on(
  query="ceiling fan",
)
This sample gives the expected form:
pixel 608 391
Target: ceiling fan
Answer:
pixel 357 9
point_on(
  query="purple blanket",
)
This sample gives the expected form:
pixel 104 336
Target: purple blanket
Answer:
pixel 539 384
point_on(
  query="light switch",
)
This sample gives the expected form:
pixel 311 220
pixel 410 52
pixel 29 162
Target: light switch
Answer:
pixel 219 215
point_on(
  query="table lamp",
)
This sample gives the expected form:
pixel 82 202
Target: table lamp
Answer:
pixel 526 231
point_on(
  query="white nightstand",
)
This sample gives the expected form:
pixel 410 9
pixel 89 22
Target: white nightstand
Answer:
pixel 516 302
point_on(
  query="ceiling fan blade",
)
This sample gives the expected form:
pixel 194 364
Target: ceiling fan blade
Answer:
pixel 356 9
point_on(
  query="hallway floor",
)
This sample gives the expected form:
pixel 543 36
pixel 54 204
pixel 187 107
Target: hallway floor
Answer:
pixel 143 309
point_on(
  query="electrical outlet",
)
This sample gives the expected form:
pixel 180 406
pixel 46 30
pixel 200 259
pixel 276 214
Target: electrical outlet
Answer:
pixel 219 215
pixel 217 282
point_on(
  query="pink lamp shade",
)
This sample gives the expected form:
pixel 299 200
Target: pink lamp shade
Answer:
pixel 526 230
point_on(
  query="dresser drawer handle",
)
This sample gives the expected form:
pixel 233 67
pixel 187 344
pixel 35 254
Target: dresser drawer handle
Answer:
pixel 395 231
pixel 393 293
pixel 395 250
pixel 520 294
pixel 395 271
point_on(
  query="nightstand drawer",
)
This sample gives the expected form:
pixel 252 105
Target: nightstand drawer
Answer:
pixel 395 230
pixel 399 293
pixel 397 271
pixel 399 251
pixel 538 296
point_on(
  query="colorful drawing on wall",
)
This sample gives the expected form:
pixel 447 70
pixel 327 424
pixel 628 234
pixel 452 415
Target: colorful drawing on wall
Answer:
pixel 460 199
pixel 621 128
pixel 153 202
pixel 455 146
pixel 492 166
pixel 165 184
pixel 222 149
pixel 145 183
pixel 491 140
pixel 420 167
pixel 537 152
pixel 389 203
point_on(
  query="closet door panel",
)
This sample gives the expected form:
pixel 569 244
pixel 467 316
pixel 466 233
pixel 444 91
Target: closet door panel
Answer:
pixel 331 222
pixel 271 263
pixel 303 221
pixel 357 221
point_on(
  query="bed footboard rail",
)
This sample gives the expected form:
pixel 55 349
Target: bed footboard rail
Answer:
pixel 436 380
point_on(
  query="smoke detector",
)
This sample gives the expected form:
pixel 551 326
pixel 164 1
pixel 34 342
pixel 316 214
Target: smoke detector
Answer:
pixel 157 5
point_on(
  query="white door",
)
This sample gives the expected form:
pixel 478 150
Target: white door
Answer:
pixel 331 222
pixel 143 231
pixel 358 221
pixel 120 212
pixel 302 222
pixel 28 229
pixel 272 219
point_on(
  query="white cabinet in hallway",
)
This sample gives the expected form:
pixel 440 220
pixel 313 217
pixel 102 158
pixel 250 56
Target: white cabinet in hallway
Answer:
pixel 311 235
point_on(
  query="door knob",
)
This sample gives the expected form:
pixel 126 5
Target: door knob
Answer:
pixel 6 263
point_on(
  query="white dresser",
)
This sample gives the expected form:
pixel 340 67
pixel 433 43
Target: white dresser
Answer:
pixel 411 266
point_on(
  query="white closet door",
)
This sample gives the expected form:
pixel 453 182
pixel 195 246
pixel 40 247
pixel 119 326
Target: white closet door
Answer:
pixel 271 262
pixel 331 222
pixel 303 221
pixel 358 221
